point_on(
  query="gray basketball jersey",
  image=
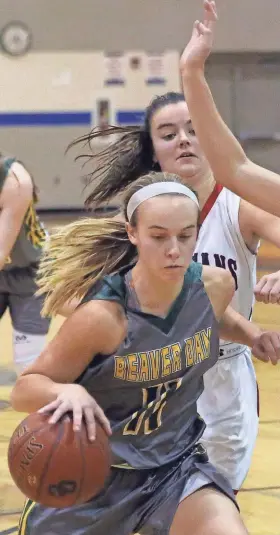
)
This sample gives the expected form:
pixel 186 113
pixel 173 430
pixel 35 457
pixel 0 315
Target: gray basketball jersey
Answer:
pixel 30 240
pixel 149 387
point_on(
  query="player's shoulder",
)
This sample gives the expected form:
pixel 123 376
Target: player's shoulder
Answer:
pixel 111 288
pixel 103 321
pixel 18 185
pixel 215 276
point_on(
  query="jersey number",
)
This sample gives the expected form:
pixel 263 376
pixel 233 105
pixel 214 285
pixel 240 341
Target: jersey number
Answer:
pixel 148 419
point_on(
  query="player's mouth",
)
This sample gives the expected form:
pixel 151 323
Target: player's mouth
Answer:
pixel 186 154
pixel 175 266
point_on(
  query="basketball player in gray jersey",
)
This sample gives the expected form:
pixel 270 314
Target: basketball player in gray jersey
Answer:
pixel 22 237
pixel 138 347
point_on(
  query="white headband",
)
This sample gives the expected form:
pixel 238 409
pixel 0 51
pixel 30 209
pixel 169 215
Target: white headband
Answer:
pixel 153 190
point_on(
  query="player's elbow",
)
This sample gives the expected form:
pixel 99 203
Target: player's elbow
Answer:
pixel 20 398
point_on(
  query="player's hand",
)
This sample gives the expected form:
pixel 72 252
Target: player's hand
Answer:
pixel 75 399
pixel 201 42
pixel 267 290
pixel 266 347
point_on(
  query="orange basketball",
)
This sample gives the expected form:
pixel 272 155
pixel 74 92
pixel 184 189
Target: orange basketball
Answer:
pixel 55 466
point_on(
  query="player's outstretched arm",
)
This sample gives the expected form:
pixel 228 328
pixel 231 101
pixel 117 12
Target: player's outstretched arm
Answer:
pixel 228 161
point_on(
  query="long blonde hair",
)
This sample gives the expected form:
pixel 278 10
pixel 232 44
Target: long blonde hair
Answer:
pixel 79 254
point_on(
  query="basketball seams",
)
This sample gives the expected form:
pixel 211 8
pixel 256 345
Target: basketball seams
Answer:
pixel 60 433
pixel 26 437
pixel 82 478
pixel 90 473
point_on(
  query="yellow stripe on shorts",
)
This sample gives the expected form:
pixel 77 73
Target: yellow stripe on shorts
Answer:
pixel 28 507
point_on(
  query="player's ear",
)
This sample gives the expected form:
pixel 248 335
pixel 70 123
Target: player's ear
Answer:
pixel 131 233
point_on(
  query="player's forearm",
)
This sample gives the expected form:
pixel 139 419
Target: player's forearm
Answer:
pixel 228 161
pixel 222 149
pixel 33 391
pixel 235 328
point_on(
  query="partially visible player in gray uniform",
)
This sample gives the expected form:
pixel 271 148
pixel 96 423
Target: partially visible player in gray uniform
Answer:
pixel 22 237
pixel 138 347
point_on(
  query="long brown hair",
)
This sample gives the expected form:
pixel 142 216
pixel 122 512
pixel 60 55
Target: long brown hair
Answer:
pixel 118 165
pixel 79 254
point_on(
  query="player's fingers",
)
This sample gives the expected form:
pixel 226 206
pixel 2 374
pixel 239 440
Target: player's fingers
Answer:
pixel 214 10
pixel 210 14
pixel 275 342
pixel 274 293
pixel 195 31
pixel 59 412
pixel 203 29
pixel 260 284
pixel 267 349
pixel 50 407
pixel 263 294
pixel 77 416
pixel 260 352
pixel 90 423
pixel 103 420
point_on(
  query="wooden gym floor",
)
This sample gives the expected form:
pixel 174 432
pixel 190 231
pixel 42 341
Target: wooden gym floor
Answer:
pixel 259 499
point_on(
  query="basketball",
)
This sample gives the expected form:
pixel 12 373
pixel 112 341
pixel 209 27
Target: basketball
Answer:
pixel 55 466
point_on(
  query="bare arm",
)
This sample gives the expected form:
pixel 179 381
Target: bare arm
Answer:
pixel 15 198
pixel 257 224
pixel 236 328
pixel 265 345
pixel 83 335
pixel 219 285
pixel 228 161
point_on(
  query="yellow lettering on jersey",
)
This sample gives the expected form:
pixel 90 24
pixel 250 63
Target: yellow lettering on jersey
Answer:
pixel 144 374
pixel 176 357
pixel 120 367
pixel 157 412
pixel 132 364
pixel 206 338
pixel 133 425
pixel 165 359
pixel 154 357
pixel 35 231
pixel 199 353
pixel 189 352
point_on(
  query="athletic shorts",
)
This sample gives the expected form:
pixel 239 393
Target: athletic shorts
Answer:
pixel 17 293
pixel 229 407
pixel 133 501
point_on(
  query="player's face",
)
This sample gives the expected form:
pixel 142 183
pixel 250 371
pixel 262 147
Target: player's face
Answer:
pixel 176 147
pixel 165 235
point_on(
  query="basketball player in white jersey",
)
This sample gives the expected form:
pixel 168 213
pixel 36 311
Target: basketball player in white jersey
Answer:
pixel 229 236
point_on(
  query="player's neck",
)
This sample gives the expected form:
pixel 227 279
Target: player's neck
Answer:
pixel 154 296
pixel 204 188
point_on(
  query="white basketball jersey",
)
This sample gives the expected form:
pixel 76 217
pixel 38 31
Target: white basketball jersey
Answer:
pixel 221 244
